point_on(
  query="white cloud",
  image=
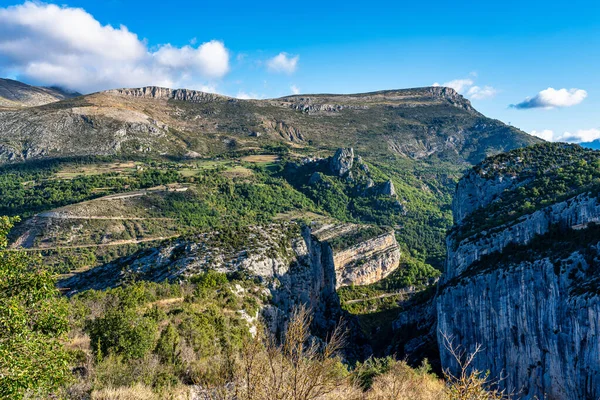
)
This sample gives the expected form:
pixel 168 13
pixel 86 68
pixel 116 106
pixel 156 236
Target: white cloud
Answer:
pixel 210 59
pixel 457 84
pixel 481 93
pixel 552 98
pixel 283 62
pixel 204 88
pixel 580 136
pixel 243 95
pixel 467 87
pixel 295 89
pixel 66 46
pixel 248 96
pixel 545 134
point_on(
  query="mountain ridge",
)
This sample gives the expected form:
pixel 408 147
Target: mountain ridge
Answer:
pixel 415 123
pixel 18 94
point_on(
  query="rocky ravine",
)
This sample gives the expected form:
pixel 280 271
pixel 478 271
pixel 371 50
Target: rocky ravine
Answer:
pixel 297 264
pixel 532 306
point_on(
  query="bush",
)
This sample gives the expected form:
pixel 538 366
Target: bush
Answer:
pixel 209 279
pixel 167 347
pixel 122 332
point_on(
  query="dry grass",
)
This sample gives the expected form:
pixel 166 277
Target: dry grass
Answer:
pixel 137 392
pixel 261 158
pixel 78 342
pixel 404 382
pixel 165 302
pixel 95 169
pixel 237 172
pixel 142 392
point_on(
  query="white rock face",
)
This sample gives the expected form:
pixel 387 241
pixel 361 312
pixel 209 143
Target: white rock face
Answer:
pixel 537 330
pixel 297 265
pixel 367 262
pixel 474 191
pixel 543 339
pixel 160 93
pixel 575 212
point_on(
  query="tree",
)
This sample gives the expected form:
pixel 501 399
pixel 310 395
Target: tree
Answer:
pixel 33 318
pixel 123 332
pixel 167 347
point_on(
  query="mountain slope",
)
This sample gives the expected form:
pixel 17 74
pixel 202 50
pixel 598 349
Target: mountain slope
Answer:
pixel 522 272
pixel 17 94
pixel 421 123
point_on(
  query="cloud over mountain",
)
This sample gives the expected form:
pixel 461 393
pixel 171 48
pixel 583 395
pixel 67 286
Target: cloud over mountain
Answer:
pixel 284 63
pixel 580 136
pixel 66 46
pixel 553 98
pixel 467 87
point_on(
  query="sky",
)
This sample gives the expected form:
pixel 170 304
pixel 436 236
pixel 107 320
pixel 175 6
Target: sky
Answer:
pixel 533 64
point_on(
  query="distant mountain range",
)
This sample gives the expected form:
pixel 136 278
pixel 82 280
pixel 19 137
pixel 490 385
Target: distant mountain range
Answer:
pixel 18 94
pixel 422 123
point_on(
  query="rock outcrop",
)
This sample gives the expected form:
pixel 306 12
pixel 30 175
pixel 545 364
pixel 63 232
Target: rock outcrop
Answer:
pixel 476 190
pixel 269 252
pixel 576 212
pixel 527 291
pixel 387 189
pixel 342 161
pixel 283 130
pixel 160 93
pixel 364 261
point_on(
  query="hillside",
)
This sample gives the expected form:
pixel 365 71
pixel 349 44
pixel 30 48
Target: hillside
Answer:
pixel 424 123
pixel 15 94
pixel 138 192
pixel 522 271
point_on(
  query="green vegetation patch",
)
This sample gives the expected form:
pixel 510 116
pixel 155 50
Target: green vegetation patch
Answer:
pixel 545 174
pixel 358 235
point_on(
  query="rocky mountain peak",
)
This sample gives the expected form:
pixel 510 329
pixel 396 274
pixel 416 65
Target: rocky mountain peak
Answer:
pixel 161 93
pixel 451 95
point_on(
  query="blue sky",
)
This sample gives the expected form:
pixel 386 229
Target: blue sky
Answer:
pixel 496 53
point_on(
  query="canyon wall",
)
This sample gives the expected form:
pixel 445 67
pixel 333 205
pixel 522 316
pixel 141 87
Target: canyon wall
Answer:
pixel 527 292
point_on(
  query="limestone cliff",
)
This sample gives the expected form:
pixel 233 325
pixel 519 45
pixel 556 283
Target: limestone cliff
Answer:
pixel 526 289
pixel 160 93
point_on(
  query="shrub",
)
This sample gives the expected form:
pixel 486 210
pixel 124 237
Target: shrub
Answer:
pixel 167 347
pixel 122 332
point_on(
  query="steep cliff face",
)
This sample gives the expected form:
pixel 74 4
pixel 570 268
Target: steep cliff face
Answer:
pixel 160 93
pixel 269 252
pixel 475 191
pixel 527 289
pixel 535 332
pixel 576 212
pixel 367 262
